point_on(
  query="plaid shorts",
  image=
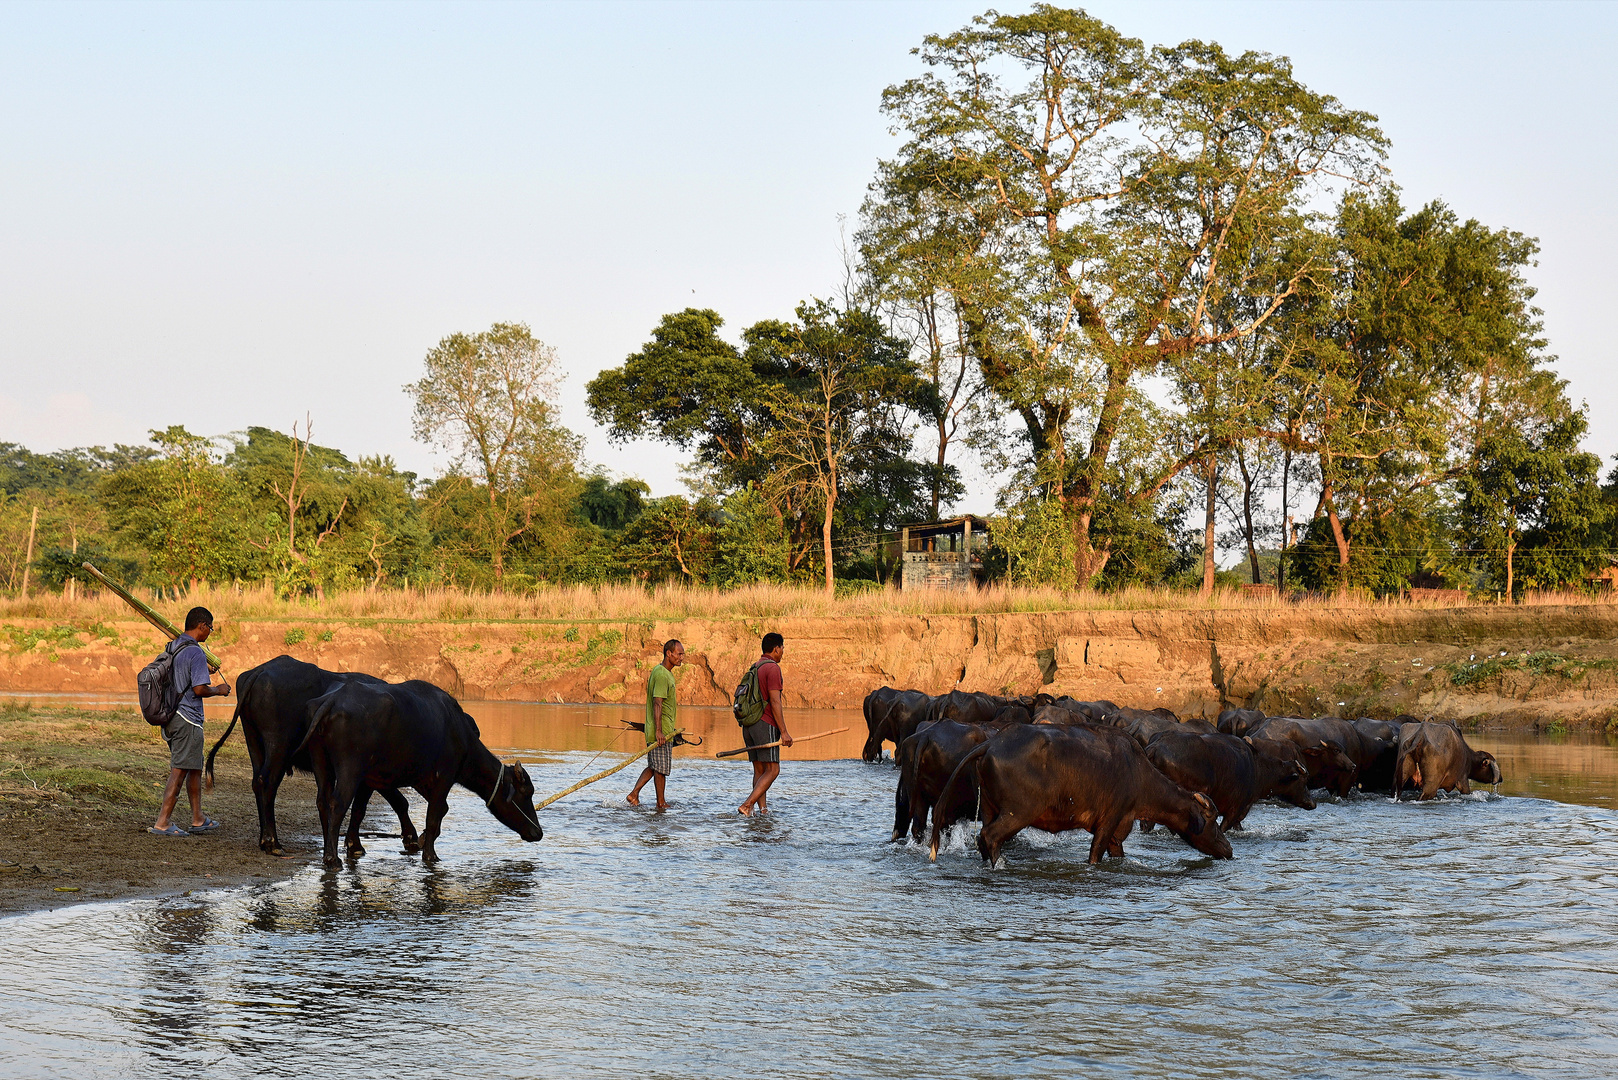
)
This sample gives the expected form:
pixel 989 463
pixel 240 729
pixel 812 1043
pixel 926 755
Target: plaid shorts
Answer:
pixel 661 759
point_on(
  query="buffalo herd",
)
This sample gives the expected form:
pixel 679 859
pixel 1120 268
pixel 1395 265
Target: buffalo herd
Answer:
pixel 358 734
pixel 1057 764
pixel 1043 762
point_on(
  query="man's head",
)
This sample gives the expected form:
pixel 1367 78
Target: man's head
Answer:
pixel 774 645
pixel 199 619
pixel 673 653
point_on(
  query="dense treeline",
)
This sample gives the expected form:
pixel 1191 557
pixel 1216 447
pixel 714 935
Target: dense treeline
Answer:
pixel 1169 294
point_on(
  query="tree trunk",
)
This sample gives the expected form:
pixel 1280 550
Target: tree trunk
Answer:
pixel 1247 515
pixel 1208 568
pixel 1511 549
pixel 1338 535
pixel 28 559
pixel 825 538
pixel 1088 561
pixel 938 477
pixel 1286 521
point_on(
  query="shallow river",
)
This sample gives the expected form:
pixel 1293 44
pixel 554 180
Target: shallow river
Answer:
pixel 1466 937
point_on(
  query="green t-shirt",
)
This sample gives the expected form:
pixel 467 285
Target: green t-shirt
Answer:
pixel 660 684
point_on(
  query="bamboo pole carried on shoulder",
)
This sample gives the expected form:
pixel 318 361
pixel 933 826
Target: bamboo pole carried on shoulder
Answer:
pixel 602 775
pixel 777 742
pixel 151 616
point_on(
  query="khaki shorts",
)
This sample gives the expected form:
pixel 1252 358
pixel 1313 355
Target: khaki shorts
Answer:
pixel 185 743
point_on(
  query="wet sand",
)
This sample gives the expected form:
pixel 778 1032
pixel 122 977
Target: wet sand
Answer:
pixel 76 837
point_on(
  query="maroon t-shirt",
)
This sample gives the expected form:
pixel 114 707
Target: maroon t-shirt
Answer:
pixel 769 678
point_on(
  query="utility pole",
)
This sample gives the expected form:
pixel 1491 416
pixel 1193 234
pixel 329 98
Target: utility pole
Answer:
pixel 33 524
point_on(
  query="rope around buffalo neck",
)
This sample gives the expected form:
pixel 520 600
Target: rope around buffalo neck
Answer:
pixel 499 776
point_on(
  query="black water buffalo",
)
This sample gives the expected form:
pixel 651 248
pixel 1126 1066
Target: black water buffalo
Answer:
pixel 1078 776
pixel 1434 757
pixel 926 761
pixel 1378 774
pixel 1061 715
pixel 876 706
pixel 272 703
pixel 1143 724
pixel 1234 773
pixel 895 719
pixel 968 707
pixel 1240 721
pixel 368 736
pixel 1338 770
pixel 1097 712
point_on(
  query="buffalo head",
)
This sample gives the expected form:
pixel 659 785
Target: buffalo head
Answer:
pixel 1485 769
pixel 1202 830
pixel 513 803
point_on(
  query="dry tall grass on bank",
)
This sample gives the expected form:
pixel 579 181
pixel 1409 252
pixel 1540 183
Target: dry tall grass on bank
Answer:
pixel 674 602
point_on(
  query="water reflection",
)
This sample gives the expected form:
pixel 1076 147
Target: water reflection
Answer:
pixel 1573 768
pixel 539 727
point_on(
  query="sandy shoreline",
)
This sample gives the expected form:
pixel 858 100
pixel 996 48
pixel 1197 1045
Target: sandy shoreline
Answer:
pixel 79 789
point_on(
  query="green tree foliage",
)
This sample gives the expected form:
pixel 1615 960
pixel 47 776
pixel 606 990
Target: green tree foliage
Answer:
pixel 181 511
pixel 486 399
pixel 751 543
pixel 1111 201
pixel 1533 504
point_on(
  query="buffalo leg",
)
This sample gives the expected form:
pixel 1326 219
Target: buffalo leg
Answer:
pixel 266 782
pixel 1104 840
pixel 334 795
pixel 902 810
pixel 407 830
pixel 356 814
pixel 996 832
pixel 919 806
pixel 437 807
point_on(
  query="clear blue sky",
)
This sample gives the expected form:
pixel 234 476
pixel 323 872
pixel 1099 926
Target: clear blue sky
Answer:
pixel 235 214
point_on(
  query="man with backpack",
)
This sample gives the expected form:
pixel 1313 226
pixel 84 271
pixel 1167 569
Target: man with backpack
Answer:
pixel 769 728
pixel 183 731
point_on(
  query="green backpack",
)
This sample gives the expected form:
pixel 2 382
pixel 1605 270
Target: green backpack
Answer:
pixel 748 706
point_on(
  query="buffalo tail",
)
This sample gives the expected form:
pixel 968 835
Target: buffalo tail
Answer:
pixel 949 789
pixel 243 684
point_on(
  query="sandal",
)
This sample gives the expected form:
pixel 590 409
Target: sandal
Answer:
pixel 172 830
pixel 208 825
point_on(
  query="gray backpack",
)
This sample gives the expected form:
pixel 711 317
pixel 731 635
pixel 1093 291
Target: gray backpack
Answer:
pixel 159 697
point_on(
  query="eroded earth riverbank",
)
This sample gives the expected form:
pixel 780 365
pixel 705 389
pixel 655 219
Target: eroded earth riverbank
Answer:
pixel 1525 667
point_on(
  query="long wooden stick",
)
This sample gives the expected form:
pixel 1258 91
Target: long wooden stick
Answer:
pixel 777 742
pixel 602 775
pixel 151 616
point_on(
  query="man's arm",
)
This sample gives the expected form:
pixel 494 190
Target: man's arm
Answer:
pixel 204 690
pixel 657 714
pixel 776 711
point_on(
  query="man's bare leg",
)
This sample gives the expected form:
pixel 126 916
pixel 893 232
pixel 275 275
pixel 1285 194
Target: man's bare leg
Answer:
pixel 171 795
pixel 764 774
pixel 658 780
pixel 746 808
pixel 633 798
pixel 193 791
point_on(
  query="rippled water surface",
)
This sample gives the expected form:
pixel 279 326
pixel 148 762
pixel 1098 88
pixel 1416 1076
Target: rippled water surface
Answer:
pixel 1466 937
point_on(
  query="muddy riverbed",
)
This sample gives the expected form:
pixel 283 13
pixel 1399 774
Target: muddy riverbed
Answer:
pixel 1469 936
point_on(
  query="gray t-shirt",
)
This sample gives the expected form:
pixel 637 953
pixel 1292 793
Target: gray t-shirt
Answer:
pixel 190 670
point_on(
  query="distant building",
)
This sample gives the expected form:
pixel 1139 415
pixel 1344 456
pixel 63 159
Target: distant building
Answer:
pixel 943 554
